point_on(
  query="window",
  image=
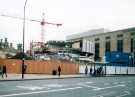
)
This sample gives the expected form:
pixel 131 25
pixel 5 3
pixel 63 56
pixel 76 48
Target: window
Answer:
pixel 120 45
pixel 80 43
pixel 108 37
pixel 131 45
pixel 97 46
pixel 133 33
pixel 119 35
pixel 97 39
pixel 107 46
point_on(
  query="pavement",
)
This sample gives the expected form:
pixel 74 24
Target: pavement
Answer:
pixel 18 77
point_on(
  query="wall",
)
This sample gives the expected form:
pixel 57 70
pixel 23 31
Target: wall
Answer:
pixel 45 67
pixel 76 45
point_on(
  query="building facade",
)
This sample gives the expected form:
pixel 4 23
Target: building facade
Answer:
pixel 106 41
pixel 6 49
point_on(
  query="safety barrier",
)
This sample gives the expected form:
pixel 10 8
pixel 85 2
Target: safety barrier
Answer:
pixel 108 68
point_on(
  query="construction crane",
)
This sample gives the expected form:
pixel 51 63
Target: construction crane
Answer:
pixel 42 23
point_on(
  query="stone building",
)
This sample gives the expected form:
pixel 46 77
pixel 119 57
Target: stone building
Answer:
pixel 105 40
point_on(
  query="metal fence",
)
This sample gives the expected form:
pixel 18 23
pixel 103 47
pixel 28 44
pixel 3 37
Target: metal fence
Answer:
pixel 107 68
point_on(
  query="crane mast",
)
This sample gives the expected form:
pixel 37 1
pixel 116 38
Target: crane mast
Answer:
pixel 42 23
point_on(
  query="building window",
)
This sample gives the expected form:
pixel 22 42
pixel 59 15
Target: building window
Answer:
pixel 133 33
pixel 120 35
pixel 107 46
pixel 108 37
pixel 131 45
pixel 120 45
pixel 97 46
pixel 97 39
pixel 81 44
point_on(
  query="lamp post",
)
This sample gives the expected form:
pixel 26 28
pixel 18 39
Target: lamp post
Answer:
pixel 23 38
pixel 133 49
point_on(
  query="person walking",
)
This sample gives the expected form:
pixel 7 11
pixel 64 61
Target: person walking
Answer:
pixel 59 70
pixel 86 70
pixel 4 71
pixel 1 71
pixel 90 71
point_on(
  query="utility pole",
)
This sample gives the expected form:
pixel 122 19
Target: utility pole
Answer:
pixel 134 49
pixel 23 39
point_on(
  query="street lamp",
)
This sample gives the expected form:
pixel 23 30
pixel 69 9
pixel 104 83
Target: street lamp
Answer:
pixel 23 38
pixel 133 49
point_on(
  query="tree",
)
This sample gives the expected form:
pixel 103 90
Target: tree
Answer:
pixel 57 43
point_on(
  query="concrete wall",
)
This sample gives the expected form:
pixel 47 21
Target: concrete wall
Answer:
pixel 45 67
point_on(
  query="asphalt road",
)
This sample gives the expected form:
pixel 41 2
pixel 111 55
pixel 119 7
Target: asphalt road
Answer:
pixel 74 87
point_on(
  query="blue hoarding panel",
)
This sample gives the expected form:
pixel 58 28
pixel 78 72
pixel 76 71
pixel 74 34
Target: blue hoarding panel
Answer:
pixel 118 57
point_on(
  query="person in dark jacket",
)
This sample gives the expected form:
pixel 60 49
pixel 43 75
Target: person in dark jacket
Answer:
pixel 90 71
pixel 1 71
pixel 86 70
pixel 4 71
pixel 59 70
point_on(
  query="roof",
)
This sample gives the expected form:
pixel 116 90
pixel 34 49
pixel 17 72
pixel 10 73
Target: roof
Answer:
pixel 96 32
pixel 87 33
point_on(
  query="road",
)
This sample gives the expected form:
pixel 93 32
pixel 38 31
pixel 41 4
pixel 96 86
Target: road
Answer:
pixel 123 86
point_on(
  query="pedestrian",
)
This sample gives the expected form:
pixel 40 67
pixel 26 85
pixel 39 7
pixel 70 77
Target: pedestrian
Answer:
pixel 25 67
pixel 59 70
pixel 90 71
pixel 86 70
pixel 4 71
pixel 1 71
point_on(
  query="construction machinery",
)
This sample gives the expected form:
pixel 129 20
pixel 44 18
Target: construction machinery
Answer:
pixel 42 23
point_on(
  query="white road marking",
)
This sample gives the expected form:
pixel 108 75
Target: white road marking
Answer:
pixel 109 87
pixel 85 83
pixel 31 87
pixel 38 92
pixel 53 85
pixel 10 90
pixel 89 86
pixel 105 94
pixel 89 82
pixel 124 94
pixel 40 87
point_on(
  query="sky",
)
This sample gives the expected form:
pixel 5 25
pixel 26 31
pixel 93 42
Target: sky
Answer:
pixel 75 15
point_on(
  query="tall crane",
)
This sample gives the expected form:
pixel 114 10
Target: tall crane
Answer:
pixel 42 23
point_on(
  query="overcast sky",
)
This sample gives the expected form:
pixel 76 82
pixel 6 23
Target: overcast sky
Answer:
pixel 75 15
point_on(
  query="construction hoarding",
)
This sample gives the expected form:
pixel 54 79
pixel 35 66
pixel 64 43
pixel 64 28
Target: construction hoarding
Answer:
pixel 39 67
